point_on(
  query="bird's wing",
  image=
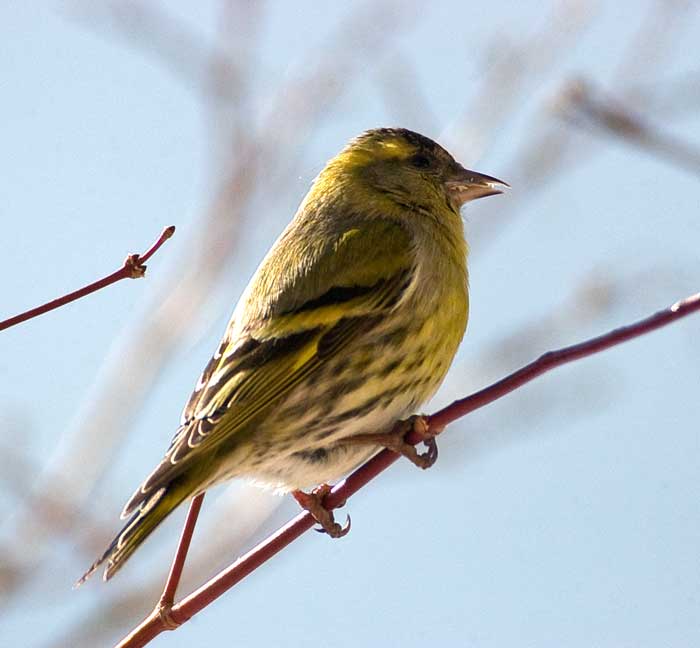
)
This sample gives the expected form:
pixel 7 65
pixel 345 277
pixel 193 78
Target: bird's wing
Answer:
pixel 325 304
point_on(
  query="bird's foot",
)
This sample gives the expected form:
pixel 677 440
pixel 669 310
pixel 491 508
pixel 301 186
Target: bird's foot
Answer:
pixel 395 440
pixel 313 503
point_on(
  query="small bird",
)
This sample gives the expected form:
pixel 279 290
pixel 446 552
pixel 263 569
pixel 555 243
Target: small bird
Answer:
pixel 349 324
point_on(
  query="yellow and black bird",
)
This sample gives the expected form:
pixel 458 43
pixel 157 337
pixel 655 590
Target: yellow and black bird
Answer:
pixel 349 324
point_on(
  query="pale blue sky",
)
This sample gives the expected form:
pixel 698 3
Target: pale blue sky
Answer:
pixel 565 514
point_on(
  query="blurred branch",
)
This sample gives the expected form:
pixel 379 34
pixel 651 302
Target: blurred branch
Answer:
pixel 656 38
pixel 551 150
pixel 511 69
pixel 151 28
pixel 584 106
pixel 133 268
pixel 51 511
pixel 168 618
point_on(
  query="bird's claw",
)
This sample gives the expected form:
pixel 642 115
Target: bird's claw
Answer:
pixel 417 425
pixel 429 457
pixel 336 531
pixel 395 440
pixel 313 503
pixel 423 460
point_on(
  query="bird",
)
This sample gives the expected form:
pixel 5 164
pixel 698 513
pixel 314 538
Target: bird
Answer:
pixel 348 325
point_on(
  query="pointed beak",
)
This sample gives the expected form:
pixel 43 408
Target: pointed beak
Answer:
pixel 465 185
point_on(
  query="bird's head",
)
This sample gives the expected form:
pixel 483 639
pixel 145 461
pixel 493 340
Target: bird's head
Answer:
pixel 410 170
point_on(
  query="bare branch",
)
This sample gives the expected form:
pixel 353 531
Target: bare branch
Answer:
pixel 133 268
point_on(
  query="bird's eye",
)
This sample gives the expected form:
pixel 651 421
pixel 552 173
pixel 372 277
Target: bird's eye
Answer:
pixel 420 161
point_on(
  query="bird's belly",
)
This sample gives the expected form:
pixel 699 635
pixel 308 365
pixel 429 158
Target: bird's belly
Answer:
pixel 308 468
pixel 298 444
pixel 317 453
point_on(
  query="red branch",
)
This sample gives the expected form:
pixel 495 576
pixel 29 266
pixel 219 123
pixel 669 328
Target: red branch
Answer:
pixel 169 618
pixel 133 268
pixel 168 597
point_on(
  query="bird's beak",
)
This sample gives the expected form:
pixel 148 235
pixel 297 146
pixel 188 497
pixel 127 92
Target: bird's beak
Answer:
pixel 465 185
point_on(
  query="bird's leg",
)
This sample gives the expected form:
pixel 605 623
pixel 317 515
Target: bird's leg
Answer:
pixel 313 503
pixel 395 440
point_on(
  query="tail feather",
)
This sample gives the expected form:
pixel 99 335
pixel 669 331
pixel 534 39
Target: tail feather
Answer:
pixel 146 490
pixel 144 521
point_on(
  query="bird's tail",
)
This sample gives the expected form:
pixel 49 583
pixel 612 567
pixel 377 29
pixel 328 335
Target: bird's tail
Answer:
pixel 144 521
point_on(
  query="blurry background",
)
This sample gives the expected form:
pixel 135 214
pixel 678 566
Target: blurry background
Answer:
pixel 565 514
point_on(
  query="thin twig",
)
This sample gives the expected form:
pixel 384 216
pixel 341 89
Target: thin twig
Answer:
pixel 154 624
pixel 133 268
pixel 168 597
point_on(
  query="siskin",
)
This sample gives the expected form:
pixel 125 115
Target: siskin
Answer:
pixel 349 324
